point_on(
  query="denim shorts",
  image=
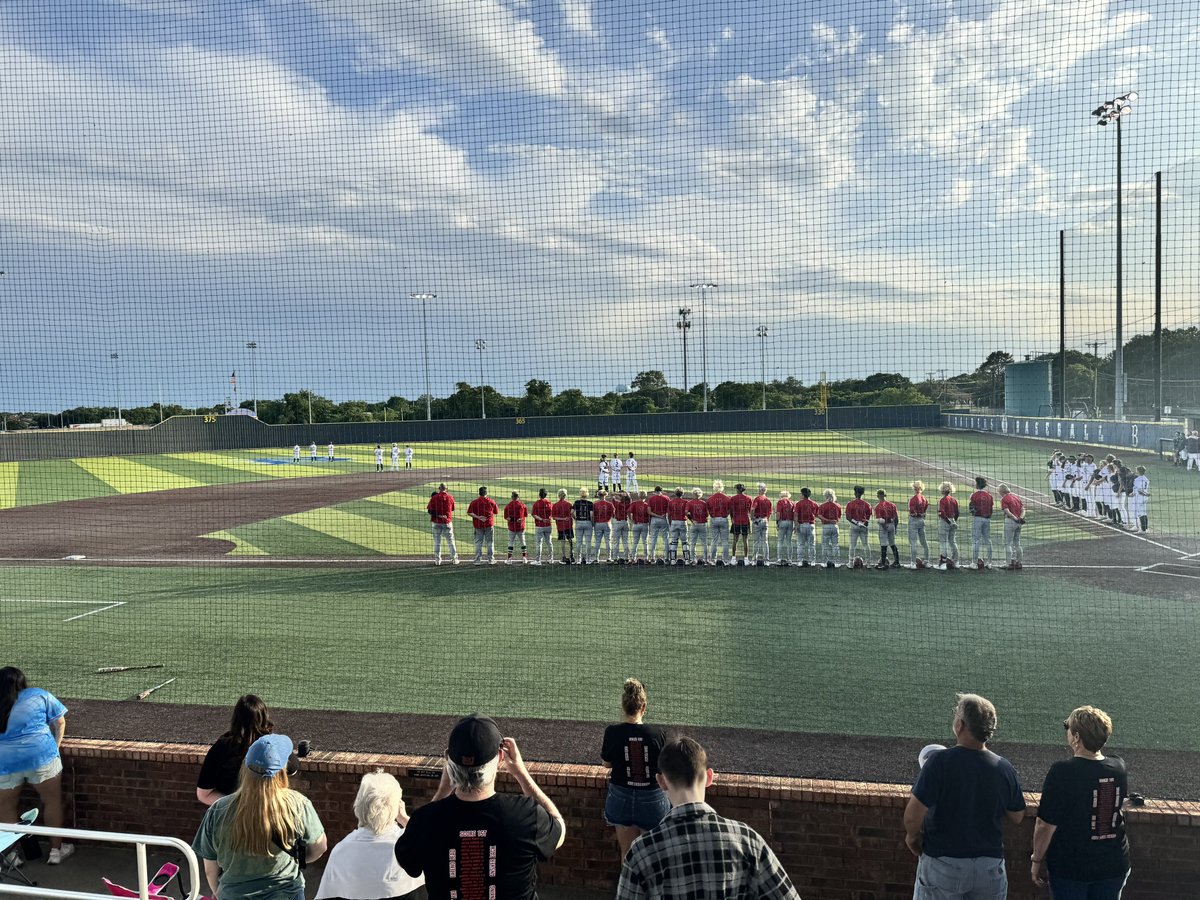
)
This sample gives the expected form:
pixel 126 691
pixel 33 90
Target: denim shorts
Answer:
pixel 635 807
pixel 32 776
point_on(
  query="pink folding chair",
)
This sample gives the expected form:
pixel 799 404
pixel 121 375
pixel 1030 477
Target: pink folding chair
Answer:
pixel 164 876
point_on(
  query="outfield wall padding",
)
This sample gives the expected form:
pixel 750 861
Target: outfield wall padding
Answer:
pixel 185 434
pixel 837 840
pixel 1144 436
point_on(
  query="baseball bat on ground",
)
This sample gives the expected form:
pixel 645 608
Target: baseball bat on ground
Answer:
pixel 104 670
pixel 142 695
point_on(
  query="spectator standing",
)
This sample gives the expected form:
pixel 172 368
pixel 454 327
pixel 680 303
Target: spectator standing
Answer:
pixel 694 852
pixel 441 515
pixel 1079 842
pixel 470 841
pixel 483 511
pixel 954 819
pixel 222 765
pixel 363 864
pixel 34 723
pixel 635 802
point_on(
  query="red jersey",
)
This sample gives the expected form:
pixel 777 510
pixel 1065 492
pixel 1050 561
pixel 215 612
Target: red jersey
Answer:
pixel 718 505
pixel 981 504
pixel 917 505
pixel 829 512
pixel 806 511
pixel 739 508
pixel 602 511
pixel 515 513
pixel 697 511
pixel 658 505
pixel 440 508
pixel 620 510
pixel 677 509
pixel 564 514
pixel 639 512
pixel 761 506
pixel 485 507
pixel 543 511
pixel 785 510
pixel 885 511
pixel 948 509
pixel 1012 503
pixel 858 510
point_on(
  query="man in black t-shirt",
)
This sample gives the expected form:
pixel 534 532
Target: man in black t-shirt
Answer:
pixel 470 842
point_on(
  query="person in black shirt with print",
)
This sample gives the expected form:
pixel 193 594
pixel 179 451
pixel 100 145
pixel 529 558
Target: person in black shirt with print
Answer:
pixel 635 802
pixel 471 842
pixel 1079 844
pixel 223 763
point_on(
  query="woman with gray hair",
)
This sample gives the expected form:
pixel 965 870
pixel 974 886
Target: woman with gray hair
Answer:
pixel 363 865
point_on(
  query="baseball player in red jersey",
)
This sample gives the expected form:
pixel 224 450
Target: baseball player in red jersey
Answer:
pixel 785 526
pixel 829 513
pixel 483 511
pixel 806 520
pixel 543 517
pixel 639 519
pixel 697 512
pixel 602 515
pixel 1014 518
pixel 620 526
pixel 441 515
pixel 947 527
pixel 918 506
pixel 760 514
pixel 677 519
pixel 858 514
pixel 886 520
pixel 981 506
pixel 658 523
pixel 564 519
pixel 515 513
pixel 718 525
pixel 739 512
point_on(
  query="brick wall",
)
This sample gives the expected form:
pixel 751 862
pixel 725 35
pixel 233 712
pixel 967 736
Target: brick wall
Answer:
pixel 837 840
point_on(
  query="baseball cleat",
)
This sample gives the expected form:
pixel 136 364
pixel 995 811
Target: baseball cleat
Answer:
pixel 919 564
pixel 951 565
pixel 980 565
pixel 882 564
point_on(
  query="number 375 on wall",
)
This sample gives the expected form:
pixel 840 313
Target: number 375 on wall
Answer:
pixel 209 419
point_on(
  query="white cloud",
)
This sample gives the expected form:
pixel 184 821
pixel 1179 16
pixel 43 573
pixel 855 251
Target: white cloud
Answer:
pixel 658 37
pixel 578 15
pixel 827 36
pixel 727 33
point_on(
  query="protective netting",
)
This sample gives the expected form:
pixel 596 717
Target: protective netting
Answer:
pixel 513 237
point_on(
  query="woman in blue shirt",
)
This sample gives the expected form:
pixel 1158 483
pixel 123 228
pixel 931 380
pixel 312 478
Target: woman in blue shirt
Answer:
pixel 34 721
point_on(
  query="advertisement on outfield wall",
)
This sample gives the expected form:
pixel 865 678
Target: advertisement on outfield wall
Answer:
pixel 1145 436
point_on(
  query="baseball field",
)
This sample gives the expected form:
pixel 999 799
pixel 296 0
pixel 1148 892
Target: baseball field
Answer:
pixel 311 584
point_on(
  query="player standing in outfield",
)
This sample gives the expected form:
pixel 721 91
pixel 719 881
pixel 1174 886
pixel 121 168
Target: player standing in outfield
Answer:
pixel 620 527
pixel 602 475
pixel 1014 518
pixel 806 518
pixel 408 454
pixel 858 514
pixel 739 517
pixel 378 458
pixel 514 514
pixel 947 527
pixel 330 452
pixel 718 526
pixel 830 513
pixel 296 454
pixel 631 467
pixel 658 502
pixel 1139 501
pixel 785 527
pixel 760 512
pixel 697 512
pixel 917 507
pixel 543 516
pixel 614 472
pixel 677 520
pixel 582 512
pixel 639 521
pixel 1191 446
pixel 564 519
pixel 602 515
pixel 887 518
pixel 312 452
pixel 483 511
pixel 981 505
pixel 395 457
pixel 441 515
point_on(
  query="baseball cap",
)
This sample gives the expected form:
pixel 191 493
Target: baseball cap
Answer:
pixel 270 755
pixel 926 752
pixel 474 741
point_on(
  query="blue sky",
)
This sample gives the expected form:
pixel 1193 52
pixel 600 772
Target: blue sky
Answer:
pixel 881 184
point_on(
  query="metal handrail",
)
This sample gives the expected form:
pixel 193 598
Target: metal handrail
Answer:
pixel 109 837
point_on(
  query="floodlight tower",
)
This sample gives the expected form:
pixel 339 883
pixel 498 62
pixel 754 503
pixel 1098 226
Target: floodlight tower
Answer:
pixel 684 325
pixel 423 299
pixel 704 287
pixel 762 333
pixel 481 346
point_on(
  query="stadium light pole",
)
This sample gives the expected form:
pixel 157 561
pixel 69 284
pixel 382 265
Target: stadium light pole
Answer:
pixel 116 358
pixel 252 346
pixel 481 346
pixel 424 298
pixel 704 287
pixel 762 343
pixel 1113 111
pixel 684 325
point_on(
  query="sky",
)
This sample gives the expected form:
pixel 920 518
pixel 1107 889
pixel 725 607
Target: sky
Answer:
pixel 880 184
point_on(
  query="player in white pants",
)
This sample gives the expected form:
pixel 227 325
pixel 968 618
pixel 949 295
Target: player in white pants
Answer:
pixel 828 513
pixel 698 530
pixel 330 448
pixel 785 527
pixel 602 474
pixel 620 528
pixel 638 530
pixel 631 467
pixel 395 457
pixel 296 454
pixel 718 524
pixel 614 472
pixel 806 538
pixel 760 520
pixel 1139 501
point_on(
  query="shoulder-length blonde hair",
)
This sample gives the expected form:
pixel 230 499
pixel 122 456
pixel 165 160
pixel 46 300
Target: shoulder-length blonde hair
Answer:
pixel 263 809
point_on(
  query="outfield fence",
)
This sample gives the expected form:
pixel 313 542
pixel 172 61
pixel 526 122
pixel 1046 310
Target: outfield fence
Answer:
pixel 1147 437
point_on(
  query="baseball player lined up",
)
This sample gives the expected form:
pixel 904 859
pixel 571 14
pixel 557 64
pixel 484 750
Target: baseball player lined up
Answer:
pixel 981 506
pixel 515 514
pixel 947 527
pixel 631 467
pixel 858 515
pixel 760 513
pixel 483 511
pixel 887 518
pixel 441 516
pixel 312 452
pixel 543 522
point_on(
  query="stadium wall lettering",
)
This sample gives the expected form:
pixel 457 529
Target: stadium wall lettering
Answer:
pixel 1145 436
